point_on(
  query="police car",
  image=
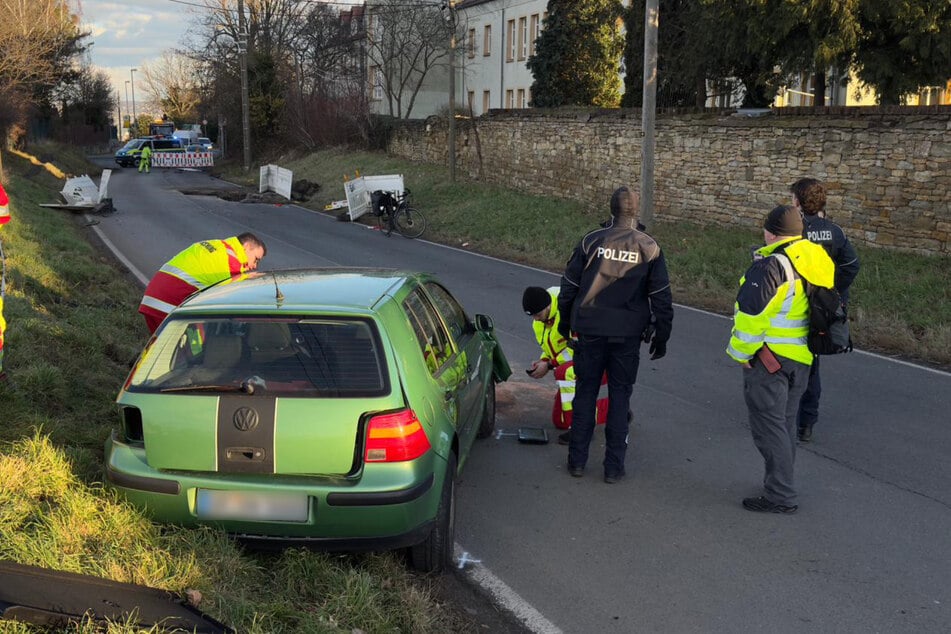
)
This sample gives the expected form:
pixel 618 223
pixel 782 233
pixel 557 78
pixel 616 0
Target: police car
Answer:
pixel 128 155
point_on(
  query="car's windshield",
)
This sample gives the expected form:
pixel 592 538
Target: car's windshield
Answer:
pixel 133 144
pixel 299 357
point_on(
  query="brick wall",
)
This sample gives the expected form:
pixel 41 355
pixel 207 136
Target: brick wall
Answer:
pixel 887 170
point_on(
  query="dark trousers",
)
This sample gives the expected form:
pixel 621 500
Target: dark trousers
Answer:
pixel 594 355
pixel 772 400
pixel 809 405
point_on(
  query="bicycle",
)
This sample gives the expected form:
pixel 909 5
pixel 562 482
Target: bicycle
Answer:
pixel 393 212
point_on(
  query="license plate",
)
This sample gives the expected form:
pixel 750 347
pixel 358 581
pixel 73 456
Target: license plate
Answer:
pixel 251 505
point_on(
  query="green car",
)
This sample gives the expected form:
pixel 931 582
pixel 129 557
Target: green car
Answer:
pixel 331 408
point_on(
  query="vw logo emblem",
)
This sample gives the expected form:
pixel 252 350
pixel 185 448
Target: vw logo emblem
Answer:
pixel 245 419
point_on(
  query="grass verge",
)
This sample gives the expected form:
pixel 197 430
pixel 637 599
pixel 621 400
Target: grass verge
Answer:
pixel 900 303
pixel 72 331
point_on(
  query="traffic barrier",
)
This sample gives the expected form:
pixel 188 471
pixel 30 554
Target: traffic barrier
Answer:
pixel 182 159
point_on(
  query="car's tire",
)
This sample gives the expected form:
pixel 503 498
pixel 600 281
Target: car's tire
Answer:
pixel 434 555
pixel 487 424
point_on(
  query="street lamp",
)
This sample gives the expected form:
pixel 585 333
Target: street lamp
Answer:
pixel 132 75
pixel 127 111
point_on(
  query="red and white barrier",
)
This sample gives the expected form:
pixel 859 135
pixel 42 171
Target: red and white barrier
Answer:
pixel 182 159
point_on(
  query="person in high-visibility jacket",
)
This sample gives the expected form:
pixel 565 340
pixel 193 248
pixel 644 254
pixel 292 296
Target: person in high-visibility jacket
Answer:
pixel 769 340
pixel 4 219
pixel 542 306
pixel 145 159
pixel 199 266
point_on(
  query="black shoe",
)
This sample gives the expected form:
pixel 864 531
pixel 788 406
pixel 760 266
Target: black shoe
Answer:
pixel 762 505
pixel 575 472
pixel 805 433
pixel 565 438
pixel 611 478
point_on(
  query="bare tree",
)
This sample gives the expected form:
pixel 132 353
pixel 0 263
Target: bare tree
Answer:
pixel 173 81
pixel 405 43
pixel 37 38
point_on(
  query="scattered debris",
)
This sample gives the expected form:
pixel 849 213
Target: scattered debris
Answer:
pixel 303 190
pixel 81 195
pixel 55 598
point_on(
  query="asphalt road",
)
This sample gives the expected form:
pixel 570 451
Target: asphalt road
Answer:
pixel 668 549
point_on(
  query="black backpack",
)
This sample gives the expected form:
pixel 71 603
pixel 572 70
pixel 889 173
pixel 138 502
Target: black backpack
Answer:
pixel 828 319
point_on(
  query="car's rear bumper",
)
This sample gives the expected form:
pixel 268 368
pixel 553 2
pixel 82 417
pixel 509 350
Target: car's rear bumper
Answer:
pixel 388 506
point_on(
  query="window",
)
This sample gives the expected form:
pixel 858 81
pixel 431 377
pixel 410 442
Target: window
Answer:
pixel 471 43
pixel 333 357
pixel 509 98
pixel 510 41
pixel 533 34
pixel 376 83
pixel 521 97
pixel 522 38
pixel 486 101
pixel 430 333
pixel 450 310
pixel 471 101
pixel 487 41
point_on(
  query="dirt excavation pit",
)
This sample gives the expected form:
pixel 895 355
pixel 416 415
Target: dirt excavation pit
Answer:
pixel 301 191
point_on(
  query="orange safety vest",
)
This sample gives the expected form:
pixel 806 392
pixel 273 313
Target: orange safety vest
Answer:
pixel 197 267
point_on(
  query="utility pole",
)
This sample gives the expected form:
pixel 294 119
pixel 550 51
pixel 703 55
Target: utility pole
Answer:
pixel 119 120
pixel 134 121
pixel 451 5
pixel 245 115
pixel 649 112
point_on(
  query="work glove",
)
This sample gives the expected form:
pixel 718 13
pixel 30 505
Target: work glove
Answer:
pixel 658 348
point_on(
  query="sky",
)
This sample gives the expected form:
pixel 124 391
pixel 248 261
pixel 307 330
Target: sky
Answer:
pixel 128 34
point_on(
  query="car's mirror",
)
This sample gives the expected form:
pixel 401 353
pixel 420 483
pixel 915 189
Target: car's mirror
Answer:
pixel 483 323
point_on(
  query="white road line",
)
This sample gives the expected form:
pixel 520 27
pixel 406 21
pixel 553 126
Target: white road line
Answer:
pixel 502 595
pixel 115 251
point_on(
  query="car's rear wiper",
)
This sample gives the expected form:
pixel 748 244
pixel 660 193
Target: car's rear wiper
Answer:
pixel 244 387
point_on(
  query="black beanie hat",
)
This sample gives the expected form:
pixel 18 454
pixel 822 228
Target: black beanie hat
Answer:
pixel 784 221
pixel 535 299
pixel 624 203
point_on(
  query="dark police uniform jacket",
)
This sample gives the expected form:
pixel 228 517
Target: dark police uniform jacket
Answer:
pixel 615 280
pixel 830 235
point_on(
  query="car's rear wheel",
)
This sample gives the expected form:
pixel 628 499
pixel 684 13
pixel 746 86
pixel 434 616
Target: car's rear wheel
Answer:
pixel 487 424
pixel 435 553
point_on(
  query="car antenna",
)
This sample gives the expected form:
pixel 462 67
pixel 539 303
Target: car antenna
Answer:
pixel 278 295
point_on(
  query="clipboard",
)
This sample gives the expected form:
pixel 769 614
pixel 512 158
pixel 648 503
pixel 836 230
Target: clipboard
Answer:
pixel 532 435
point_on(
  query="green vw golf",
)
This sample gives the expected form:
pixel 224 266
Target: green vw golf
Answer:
pixel 325 407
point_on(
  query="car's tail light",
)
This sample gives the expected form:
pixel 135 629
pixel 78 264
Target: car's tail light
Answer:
pixel 130 424
pixel 395 437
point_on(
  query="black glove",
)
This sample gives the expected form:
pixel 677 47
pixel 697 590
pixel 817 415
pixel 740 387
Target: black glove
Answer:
pixel 658 348
pixel 648 332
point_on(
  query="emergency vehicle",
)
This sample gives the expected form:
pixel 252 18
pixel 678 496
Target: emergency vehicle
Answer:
pixel 128 155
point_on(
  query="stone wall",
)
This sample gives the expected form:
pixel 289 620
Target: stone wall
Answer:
pixel 887 170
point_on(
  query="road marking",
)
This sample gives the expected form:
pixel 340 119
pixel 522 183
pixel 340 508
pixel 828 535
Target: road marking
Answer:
pixel 503 596
pixel 116 252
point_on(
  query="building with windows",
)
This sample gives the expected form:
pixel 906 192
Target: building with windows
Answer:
pixel 499 38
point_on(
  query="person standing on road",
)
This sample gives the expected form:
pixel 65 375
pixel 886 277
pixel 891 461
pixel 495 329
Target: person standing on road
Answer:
pixel 145 159
pixel 614 282
pixel 769 340
pixel 542 306
pixel 4 219
pixel 809 197
pixel 197 267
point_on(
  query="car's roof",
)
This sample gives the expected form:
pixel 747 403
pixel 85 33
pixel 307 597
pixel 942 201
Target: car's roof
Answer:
pixel 321 289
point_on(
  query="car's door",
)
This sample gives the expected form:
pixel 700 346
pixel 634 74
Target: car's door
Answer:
pixel 445 365
pixel 472 353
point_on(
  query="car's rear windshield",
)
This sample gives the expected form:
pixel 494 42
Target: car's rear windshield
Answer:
pixel 298 357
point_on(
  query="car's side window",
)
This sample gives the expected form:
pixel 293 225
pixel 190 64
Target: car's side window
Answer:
pixel 449 308
pixel 432 337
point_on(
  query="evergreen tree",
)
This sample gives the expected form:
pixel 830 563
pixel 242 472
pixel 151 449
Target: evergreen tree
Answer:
pixel 903 46
pixel 577 56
